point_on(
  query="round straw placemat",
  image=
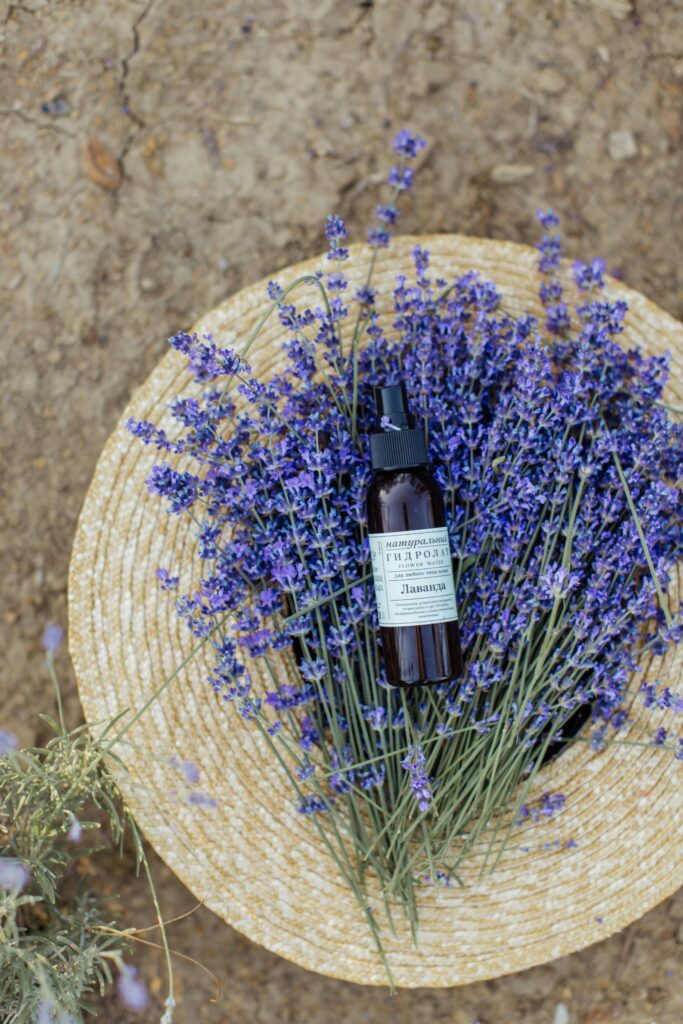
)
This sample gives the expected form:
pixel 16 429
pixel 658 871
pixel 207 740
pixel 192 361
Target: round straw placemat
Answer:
pixel 235 838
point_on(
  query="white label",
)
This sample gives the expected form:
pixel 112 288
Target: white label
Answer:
pixel 413 574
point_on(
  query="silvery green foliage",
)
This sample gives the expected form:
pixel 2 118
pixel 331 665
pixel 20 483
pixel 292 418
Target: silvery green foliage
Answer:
pixel 58 943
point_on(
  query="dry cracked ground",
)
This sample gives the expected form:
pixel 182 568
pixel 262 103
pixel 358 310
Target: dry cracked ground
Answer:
pixel 156 157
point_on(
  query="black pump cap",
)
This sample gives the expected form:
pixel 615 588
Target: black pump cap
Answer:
pixel 392 402
pixel 400 445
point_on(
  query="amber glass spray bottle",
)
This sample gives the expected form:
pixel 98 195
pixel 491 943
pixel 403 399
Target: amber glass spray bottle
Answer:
pixel 411 558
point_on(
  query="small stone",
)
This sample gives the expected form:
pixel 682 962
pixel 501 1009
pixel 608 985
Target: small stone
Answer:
pixel 678 69
pixel 147 284
pixel 211 145
pixel 90 335
pixel 561 1015
pixel 621 145
pixel 671 122
pixel 510 174
pixel 620 9
pixel 603 54
pixel 57 107
pixel 603 1015
pixel 151 153
pixel 101 166
pixel 437 17
pixel 550 80
pixel 464 36
pixel 155 984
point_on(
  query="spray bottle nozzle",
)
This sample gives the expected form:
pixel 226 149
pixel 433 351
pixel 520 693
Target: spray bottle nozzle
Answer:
pixel 392 403
pixel 398 444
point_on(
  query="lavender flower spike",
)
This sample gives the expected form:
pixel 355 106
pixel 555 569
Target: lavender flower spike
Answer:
pixel 414 763
pixel 52 638
pixel 408 144
pixel 8 742
pixel 14 875
pixel 132 992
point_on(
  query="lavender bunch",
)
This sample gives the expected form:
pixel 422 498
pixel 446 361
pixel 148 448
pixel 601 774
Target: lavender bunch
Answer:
pixel 561 471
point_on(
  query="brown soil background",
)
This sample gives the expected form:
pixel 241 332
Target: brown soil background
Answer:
pixel 157 157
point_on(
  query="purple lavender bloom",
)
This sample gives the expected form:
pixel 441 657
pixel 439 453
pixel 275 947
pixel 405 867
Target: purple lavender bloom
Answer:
pixel 14 874
pixel 597 740
pixel 342 779
pixel 557 318
pixel 550 292
pixel 401 178
pixel 131 990
pixel 336 231
pixel 548 806
pixel 589 276
pixel 181 489
pixel 551 253
pixel 547 218
pixel 337 282
pixel 408 144
pixel 366 296
pixel 167 581
pixel 371 776
pixel 378 238
pixel 558 582
pixel 335 228
pixel 664 699
pixel 202 800
pixel 188 768
pixel 305 771
pixel 8 742
pixel 312 804
pixel 414 763
pixel 52 638
pixel 314 672
pixel 439 878
pixel 75 831
pixel 182 342
pixel 309 734
pixel 48 1013
pixel 387 214
pixel 45 1013
pixel 291 696
pixel 376 717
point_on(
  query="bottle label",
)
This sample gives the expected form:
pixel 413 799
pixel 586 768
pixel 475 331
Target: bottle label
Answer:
pixel 413 573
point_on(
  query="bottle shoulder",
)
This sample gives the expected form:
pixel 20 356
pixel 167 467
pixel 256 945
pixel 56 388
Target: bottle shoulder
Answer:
pixel 419 478
pixel 404 499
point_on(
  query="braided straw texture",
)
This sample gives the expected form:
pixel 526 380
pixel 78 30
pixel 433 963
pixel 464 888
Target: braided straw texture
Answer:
pixel 252 858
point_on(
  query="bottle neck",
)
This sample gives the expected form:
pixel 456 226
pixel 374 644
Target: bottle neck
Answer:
pixel 399 449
